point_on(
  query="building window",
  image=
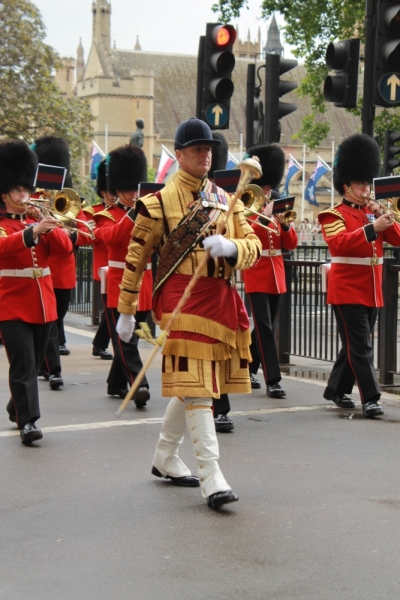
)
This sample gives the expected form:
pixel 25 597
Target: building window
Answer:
pixel 67 74
pixel 137 104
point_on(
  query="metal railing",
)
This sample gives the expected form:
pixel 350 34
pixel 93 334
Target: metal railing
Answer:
pixel 306 324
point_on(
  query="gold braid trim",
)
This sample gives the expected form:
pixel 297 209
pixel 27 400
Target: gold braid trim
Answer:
pixel 3 232
pixel 198 350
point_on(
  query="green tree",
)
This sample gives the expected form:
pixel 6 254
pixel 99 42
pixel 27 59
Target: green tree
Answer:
pixel 309 27
pixel 31 103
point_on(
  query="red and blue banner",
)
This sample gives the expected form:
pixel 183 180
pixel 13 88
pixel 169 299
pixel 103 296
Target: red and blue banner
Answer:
pixel 320 169
pixel 49 177
pixel 95 158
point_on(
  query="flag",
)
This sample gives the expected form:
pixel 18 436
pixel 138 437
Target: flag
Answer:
pixel 320 169
pixel 167 160
pixel 232 161
pixel 293 168
pixel 95 158
pixel 227 179
pixel 49 177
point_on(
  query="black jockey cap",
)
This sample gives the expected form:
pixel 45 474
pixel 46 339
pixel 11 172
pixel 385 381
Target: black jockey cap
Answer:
pixel 219 156
pixel 101 179
pixel 53 150
pixel 126 167
pixel 18 165
pixel 357 159
pixel 192 133
pixel 272 161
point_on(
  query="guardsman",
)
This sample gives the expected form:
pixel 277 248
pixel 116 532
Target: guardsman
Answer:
pixel 355 231
pixel 126 167
pixel 207 350
pixel 28 304
pixel 100 259
pixel 265 282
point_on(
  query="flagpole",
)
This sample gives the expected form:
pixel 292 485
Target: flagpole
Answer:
pixel 303 182
pixel 333 158
pixel 241 146
pixel 106 139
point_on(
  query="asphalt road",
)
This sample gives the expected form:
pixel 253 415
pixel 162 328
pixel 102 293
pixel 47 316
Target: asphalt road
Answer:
pixel 81 516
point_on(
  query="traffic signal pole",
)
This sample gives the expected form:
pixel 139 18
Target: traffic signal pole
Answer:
pixel 200 76
pixel 368 109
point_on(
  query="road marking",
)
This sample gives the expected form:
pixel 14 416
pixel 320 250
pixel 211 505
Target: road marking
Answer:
pixel 157 420
pixel 79 331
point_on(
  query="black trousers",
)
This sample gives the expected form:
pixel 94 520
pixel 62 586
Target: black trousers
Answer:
pixel 265 309
pixel 126 363
pixel 25 344
pixel 52 362
pixel 221 406
pixel 102 337
pixel 354 362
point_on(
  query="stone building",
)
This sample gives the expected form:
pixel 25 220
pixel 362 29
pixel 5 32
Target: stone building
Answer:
pixel 124 85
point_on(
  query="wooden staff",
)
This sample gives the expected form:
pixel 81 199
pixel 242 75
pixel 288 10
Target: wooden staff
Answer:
pixel 250 169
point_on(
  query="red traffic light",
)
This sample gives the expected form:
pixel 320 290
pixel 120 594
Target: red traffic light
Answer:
pixel 224 35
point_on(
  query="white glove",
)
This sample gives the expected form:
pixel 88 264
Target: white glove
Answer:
pixel 125 327
pixel 220 246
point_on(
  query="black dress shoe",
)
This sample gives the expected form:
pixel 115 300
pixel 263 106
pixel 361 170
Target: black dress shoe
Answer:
pixel 141 397
pixel 255 384
pixel 104 354
pixel 275 391
pixel 371 409
pixel 188 481
pixel 30 433
pixel 55 382
pixel 111 391
pixel 223 424
pixel 64 350
pixel 219 498
pixel 340 400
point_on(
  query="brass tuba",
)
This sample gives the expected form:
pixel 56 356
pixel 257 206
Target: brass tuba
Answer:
pixel 254 199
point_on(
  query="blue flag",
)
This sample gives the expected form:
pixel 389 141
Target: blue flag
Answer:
pixel 95 159
pixel 309 193
pixel 293 168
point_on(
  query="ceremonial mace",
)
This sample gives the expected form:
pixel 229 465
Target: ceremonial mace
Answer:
pixel 250 169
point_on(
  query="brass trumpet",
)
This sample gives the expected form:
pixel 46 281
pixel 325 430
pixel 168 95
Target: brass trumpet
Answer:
pixel 63 206
pixel 395 212
pixel 287 217
pixel 253 199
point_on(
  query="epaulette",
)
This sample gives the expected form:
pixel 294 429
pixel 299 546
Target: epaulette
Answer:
pixel 152 205
pixel 331 211
pixel 3 232
pixel 104 213
pixel 88 209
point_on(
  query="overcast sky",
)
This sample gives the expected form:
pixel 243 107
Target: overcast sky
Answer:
pixel 163 26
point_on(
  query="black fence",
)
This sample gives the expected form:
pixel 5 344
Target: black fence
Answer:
pixel 306 325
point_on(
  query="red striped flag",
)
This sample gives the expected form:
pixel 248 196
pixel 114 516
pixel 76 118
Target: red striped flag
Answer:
pixel 386 187
pixel 49 177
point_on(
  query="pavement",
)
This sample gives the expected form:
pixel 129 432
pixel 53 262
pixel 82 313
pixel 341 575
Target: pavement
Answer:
pixel 81 516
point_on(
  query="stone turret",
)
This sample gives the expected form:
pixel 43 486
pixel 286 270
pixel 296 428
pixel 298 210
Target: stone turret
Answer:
pixel 80 62
pixel 101 10
pixel 273 45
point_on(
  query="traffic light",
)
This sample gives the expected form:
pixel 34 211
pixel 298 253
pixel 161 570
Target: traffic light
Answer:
pixel 387 74
pixel 389 152
pixel 274 89
pixel 343 58
pixel 218 64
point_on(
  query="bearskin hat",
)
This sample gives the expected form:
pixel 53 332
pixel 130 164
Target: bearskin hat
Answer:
pixel 272 160
pixel 52 150
pixel 357 159
pixel 101 180
pixel 219 154
pixel 18 165
pixel 126 168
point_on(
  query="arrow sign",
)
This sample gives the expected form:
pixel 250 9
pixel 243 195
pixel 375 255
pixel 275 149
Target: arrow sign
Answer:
pixel 389 88
pixel 217 115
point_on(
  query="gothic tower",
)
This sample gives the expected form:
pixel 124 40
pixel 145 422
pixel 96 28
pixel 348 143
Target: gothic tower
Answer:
pixel 273 45
pixel 101 10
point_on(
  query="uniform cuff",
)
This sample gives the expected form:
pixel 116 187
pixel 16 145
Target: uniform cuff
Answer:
pixel 29 239
pixel 370 233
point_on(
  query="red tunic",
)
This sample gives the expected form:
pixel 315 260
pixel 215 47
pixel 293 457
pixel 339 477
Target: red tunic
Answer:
pixel 23 298
pixel 268 274
pixel 100 252
pixel 343 228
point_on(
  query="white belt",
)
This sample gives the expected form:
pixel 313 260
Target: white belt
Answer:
pixel 271 252
pixel 349 260
pixel 32 273
pixel 122 265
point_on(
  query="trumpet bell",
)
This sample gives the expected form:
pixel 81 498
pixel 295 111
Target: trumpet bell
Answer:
pixel 253 198
pixel 67 204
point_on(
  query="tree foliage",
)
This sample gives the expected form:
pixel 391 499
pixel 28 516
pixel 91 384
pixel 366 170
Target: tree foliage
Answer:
pixel 31 103
pixel 309 27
